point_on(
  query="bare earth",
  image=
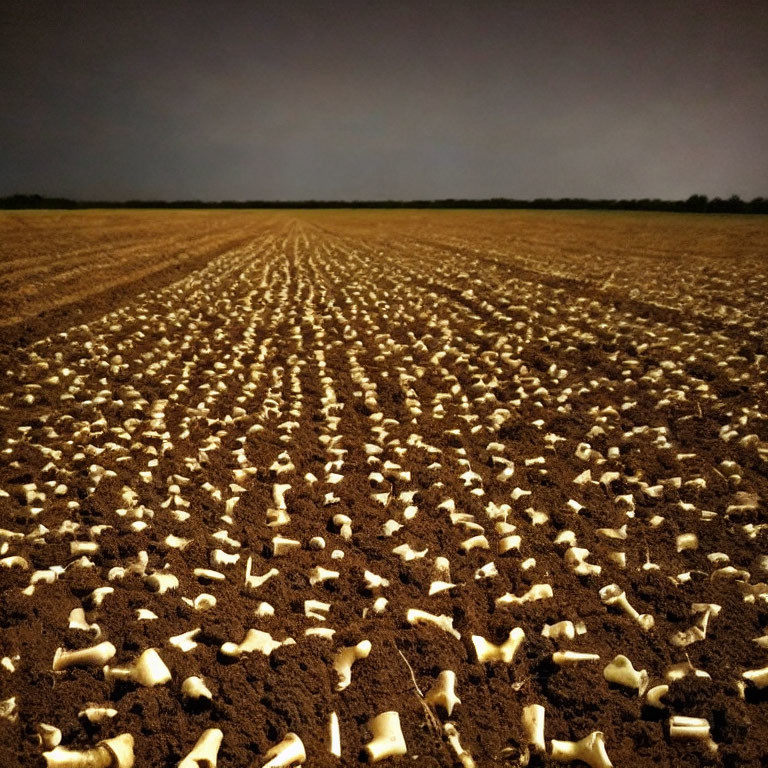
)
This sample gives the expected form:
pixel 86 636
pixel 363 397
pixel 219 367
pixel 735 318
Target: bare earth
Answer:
pixel 481 443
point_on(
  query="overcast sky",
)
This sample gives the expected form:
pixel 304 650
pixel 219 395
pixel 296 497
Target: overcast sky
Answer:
pixel 371 100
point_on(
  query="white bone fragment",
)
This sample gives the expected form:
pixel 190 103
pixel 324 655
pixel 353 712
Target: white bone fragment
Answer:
pixel 683 669
pixel 475 542
pixel 277 517
pixel 653 697
pixel 487 571
pixel 162 581
pixel 325 632
pixel 206 750
pixel 289 752
pixel 9 710
pixel 16 561
pixel 464 757
pixel 220 558
pixel 508 543
pixel 537 518
pixel 278 494
pixel 208 574
pixel 97 714
pixel 317 543
pixel 315 609
pixel 416 616
pixel 49 735
pixel 406 553
pixel 440 586
pixel 536 592
pixel 319 574
pixel 195 688
pixel 533 727
pixel 487 651
pixel 621 672
pixel 185 642
pixel 562 658
pixel 575 559
pixel 697 728
pixel 96 655
pixel 442 693
pixel 255 640
pixel 337 554
pixel 441 569
pixel 148 670
pixel 282 546
pixel 758 677
pixel 264 609
pixel 390 527
pixel 387 738
pixel 562 630
pixel 590 750
pixel 177 542
pixel 257 581
pixel 612 594
pixel 344 660
pixel 77 621
pixel 110 753
pixel 372 581
pixel 334 735
pixel 687 541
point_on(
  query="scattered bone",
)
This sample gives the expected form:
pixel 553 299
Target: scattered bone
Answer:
pixel 205 752
pixel 654 695
pixel 445 623
pixel 533 727
pixel 487 651
pixel 621 672
pixel 95 656
pixel 590 750
pixel 49 735
pixel 185 642
pixel 442 693
pixel 318 575
pixel 110 753
pixel 334 735
pixel 256 581
pixel 614 595
pixel 195 688
pixel 464 757
pixel 148 670
pixel 289 752
pixel 536 592
pixel 255 640
pixel 387 738
pixel 96 715
pixel 696 728
pixel 563 658
pixel 344 660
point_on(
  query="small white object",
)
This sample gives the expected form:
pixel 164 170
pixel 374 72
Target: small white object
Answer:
pixel 289 752
pixel 110 753
pixel 443 693
pixel 487 651
pixel 96 655
pixel 206 750
pixel 344 660
pixel 148 670
pixel 590 749
pixel 387 738
pixel 195 688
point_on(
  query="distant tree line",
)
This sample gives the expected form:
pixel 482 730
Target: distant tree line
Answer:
pixel 694 204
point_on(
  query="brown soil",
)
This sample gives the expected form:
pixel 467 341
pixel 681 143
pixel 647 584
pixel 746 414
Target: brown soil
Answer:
pixel 152 350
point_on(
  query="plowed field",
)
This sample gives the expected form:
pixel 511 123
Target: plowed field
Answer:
pixel 267 477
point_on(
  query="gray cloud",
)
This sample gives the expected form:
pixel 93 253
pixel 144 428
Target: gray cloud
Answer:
pixel 376 100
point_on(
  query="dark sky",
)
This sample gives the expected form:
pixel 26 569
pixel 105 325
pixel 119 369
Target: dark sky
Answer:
pixel 363 99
